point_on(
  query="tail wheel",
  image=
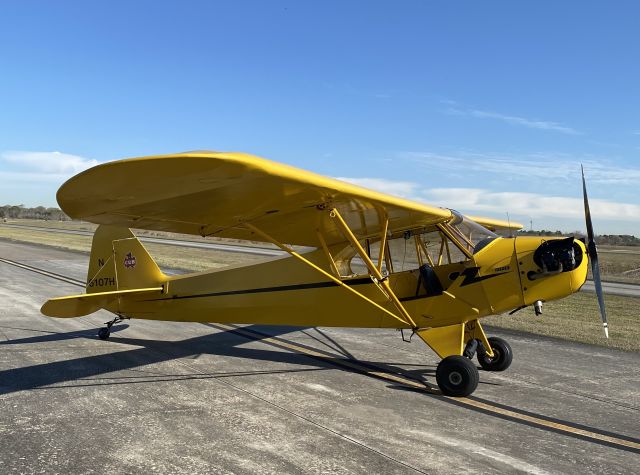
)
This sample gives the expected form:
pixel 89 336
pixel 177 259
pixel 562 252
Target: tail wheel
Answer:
pixel 457 376
pixel 502 355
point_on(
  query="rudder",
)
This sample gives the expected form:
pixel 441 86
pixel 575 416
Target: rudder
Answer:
pixel 119 261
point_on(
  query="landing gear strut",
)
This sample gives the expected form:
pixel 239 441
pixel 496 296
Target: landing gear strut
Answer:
pixel 502 354
pixel 471 348
pixel 104 333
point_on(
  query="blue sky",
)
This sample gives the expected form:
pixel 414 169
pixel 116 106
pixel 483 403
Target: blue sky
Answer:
pixel 488 107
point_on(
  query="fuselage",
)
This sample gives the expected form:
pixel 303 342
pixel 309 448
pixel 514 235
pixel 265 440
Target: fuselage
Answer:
pixel 505 274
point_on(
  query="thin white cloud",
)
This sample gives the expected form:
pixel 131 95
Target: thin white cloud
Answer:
pixel 32 178
pixel 535 165
pixel 529 204
pixel 483 201
pixel 514 120
pixel 47 163
pixel 404 189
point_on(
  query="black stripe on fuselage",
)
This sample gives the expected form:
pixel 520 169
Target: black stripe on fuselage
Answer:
pixel 283 288
pixel 470 278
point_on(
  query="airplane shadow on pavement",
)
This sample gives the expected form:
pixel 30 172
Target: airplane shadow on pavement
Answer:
pixel 147 352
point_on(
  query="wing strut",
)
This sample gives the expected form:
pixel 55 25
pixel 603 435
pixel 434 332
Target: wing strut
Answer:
pixel 374 271
pixel 383 243
pixel 287 249
pixel 327 253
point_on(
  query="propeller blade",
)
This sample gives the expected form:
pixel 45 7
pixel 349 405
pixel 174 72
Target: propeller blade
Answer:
pixel 592 251
pixel 587 212
pixel 595 270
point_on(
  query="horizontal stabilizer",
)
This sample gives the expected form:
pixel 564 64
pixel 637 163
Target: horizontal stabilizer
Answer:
pixel 84 304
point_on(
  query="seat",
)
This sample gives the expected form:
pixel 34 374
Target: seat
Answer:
pixel 430 281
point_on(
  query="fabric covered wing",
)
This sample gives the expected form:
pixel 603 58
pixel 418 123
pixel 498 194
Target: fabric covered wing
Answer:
pixel 212 194
pixel 497 225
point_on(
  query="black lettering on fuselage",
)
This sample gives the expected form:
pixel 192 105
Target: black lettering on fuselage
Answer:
pixel 103 282
pixel 100 262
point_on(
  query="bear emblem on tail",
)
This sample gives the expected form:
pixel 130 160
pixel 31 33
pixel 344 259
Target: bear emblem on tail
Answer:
pixel 129 261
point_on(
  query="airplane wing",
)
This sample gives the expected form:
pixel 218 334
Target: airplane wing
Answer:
pixel 498 226
pixel 212 194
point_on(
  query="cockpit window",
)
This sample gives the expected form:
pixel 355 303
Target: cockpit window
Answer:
pixel 468 233
pixel 412 249
pixel 445 243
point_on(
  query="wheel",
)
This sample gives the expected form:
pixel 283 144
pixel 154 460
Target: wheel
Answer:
pixel 103 333
pixel 457 376
pixel 502 355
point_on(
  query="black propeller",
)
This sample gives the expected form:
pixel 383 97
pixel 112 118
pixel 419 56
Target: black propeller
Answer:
pixel 593 257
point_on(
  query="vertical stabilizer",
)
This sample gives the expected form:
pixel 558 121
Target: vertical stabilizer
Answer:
pixel 135 268
pixel 120 262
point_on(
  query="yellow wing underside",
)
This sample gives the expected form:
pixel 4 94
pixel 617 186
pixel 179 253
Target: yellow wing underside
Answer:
pixel 499 226
pixel 213 194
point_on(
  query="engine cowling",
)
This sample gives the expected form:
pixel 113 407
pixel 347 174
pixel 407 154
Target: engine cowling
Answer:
pixel 550 268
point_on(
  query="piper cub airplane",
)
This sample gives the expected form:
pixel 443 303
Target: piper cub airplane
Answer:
pixel 377 261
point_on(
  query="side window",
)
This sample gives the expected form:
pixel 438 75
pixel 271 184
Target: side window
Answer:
pixel 441 249
pixel 401 255
pixel 404 255
pixel 358 267
pixel 409 251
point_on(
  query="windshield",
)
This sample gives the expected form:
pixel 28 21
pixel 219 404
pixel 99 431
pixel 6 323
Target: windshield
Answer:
pixel 470 234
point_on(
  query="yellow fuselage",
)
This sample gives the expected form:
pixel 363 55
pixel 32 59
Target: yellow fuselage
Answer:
pixel 287 292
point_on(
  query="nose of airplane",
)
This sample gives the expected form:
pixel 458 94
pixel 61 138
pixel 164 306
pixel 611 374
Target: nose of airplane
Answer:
pixel 550 268
pixel 556 256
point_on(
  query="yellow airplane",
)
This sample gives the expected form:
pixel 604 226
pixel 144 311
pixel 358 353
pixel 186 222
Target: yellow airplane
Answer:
pixel 376 261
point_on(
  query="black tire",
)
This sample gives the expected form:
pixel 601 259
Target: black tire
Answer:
pixel 457 376
pixel 103 333
pixel 502 355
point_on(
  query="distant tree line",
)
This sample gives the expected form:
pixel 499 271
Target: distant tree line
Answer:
pixel 607 239
pixel 618 240
pixel 39 212
pixel 543 232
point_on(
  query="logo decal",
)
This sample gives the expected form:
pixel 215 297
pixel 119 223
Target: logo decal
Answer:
pixel 129 261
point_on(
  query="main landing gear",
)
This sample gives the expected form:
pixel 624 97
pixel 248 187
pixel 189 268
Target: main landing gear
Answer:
pixel 104 333
pixel 502 355
pixel 458 376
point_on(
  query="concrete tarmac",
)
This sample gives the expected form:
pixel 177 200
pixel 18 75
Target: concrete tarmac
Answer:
pixel 162 397
pixel 614 288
